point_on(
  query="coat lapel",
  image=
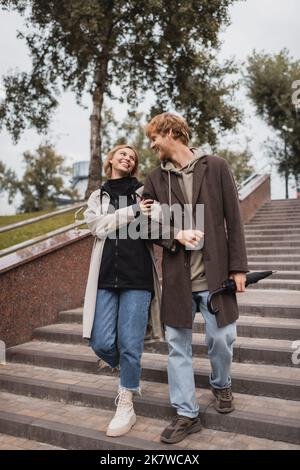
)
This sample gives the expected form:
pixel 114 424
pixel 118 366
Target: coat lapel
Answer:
pixel 199 172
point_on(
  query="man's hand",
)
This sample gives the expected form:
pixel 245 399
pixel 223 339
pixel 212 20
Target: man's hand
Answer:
pixel 240 280
pixel 189 238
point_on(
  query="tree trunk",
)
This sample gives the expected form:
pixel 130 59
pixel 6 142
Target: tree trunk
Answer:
pixel 95 168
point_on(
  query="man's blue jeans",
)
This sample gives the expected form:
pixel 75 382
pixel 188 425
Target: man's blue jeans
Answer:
pixel 118 331
pixel 180 369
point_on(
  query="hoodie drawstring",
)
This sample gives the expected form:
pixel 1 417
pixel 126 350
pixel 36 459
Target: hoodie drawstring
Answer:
pixel 170 201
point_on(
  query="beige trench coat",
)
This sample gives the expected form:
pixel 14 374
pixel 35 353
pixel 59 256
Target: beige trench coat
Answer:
pixel 101 224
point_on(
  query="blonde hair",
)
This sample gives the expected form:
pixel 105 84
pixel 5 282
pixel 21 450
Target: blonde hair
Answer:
pixel 163 123
pixel 107 161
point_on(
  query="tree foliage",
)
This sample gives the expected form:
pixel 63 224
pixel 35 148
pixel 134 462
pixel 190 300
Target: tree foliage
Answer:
pixel 43 181
pixel 269 79
pixel 99 46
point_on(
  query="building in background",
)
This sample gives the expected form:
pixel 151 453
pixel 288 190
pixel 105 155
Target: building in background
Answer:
pixel 80 177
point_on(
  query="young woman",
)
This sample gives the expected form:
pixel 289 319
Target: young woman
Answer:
pixel 122 283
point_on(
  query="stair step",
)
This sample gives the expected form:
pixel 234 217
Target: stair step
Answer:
pixel 279 219
pixel 286 329
pixel 258 303
pixel 270 265
pixel 268 226
pixel 286 275
pixel 76 427
pixel 274 251
pixel 256 379
pixel 82 427
pixel 94 397
pixel 277 284
pixel 272 238
pixel 260 327
pixel 266 229
pixel 274 221
pixel 270 303
pixel 267 351
pixel 9 442
pixel 275 244
pixel 275 258
pixel 252 327
pixel 275 210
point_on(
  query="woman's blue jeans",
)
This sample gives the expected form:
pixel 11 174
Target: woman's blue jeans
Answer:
pixel 120 323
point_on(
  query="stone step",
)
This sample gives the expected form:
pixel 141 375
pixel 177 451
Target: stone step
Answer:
pixel 277 284
pixel 273 204
pixel 273 244
pixel 266 351
pixel 278 210
pixel 259 303
pixel 272 238
pixel 268 226
pixel 71 316
pixel 265 229
pixel 83 427
pixel 250 326
pixel 76 427
pixel 274 258
pixel 256 379
pixel 273 266
pixel 286 275
pixel 272 235
pixel 274 251
pixel 253 416
pixel 260 327
pixel 294 216
pixel 270 222
pixel 270 303
pixel 282 203
pixel 10 442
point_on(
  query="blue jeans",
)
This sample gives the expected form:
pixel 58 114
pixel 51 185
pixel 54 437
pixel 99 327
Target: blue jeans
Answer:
pixel 118 332
pixel 180 369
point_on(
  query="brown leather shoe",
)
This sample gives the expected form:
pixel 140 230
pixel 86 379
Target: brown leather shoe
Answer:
pixel 179 428
pixel 223 400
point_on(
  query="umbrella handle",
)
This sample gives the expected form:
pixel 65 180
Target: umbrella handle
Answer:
pixel 210 306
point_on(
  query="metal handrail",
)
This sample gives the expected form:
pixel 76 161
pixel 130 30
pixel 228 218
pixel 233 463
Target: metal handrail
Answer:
pixel 254 176
pixel 45 236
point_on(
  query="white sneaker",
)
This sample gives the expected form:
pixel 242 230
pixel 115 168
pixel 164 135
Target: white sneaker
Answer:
pixel 125 416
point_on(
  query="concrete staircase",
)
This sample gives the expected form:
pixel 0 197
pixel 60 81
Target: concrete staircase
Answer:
pixel 52 392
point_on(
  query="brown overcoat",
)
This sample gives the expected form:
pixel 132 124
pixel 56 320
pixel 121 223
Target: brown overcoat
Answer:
pixel 224 249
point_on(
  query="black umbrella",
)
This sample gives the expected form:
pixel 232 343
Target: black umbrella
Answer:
pixel 229 286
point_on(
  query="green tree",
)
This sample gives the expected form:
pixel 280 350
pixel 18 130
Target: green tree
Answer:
pixel 98 46
pixel 131 131
pixel 42 182
pixel 238 162
pixel 269 79
pixel 8 180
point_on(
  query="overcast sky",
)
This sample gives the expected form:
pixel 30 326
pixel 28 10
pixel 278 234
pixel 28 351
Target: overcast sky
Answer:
pixel 268 25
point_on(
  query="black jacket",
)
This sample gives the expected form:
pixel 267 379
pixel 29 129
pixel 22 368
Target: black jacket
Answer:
pixel 126 263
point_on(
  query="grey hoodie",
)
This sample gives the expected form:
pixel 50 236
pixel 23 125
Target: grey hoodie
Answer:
pixel 185 179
